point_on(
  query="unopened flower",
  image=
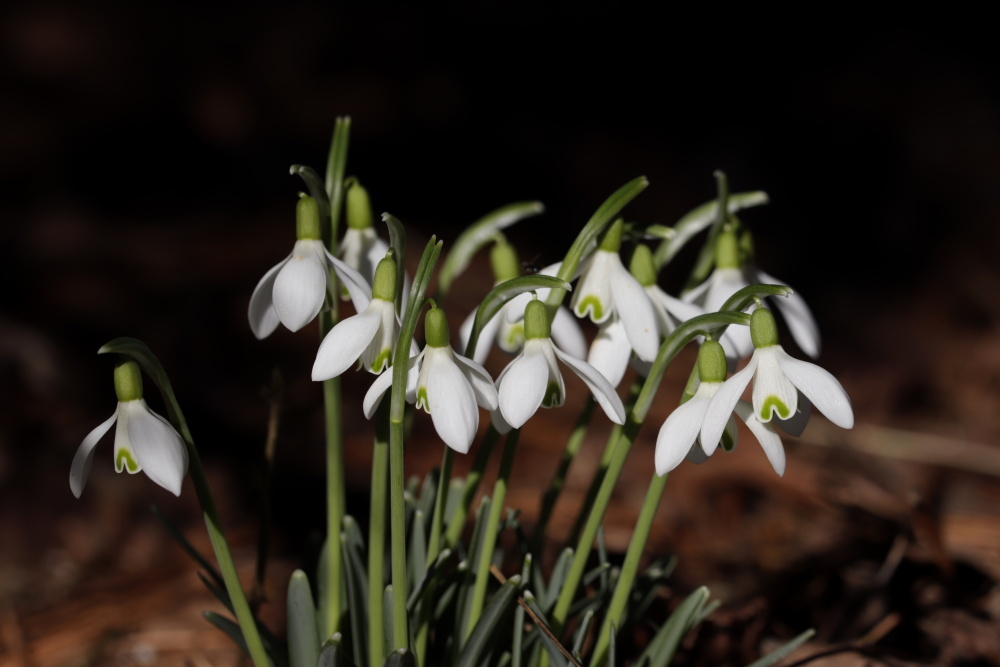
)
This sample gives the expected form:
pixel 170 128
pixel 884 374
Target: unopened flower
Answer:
pixel 447 386
pixel 293 291
pixel 144 441
pixel 369 336
pixel 533 380
pixel 679 437
pixel 778 379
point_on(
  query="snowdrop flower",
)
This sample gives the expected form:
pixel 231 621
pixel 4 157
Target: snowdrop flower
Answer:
pixel 448 386
pixel 611 352
pixel 731 275
pixel 606 288
pixel 778 379
pixel 369 336
pixel 144 441
pixel 533 380
pixel 507 326
pixel 679 436
pixel 293 291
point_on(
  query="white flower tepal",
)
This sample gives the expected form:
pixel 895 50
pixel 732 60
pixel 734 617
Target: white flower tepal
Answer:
pixel 144 441
pixel 293 291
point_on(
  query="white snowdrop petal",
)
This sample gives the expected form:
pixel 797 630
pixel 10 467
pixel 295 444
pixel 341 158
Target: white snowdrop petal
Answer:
pixel 566 334
pixel 260 313
pixel 299 289
pixel 480 381
pixel 821 388
pixel 610 351
pixel 375 392
pixel 720 408
pixel 678 433
pixel 343 345
pixel 766 435
pixel 486 336
pixel 798 317
pixel 599 386
pixel 633 306
pixel 158 448
pixel 592 296
pixel 774 395
pixel 79 471
pixel 451 402
pixel 499 423
pixel 522 385
pixel 680 311
pixel 356 285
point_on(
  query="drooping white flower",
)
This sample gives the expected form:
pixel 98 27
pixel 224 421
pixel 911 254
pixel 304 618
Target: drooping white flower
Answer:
pixel 447 386
pixel 369 336
pixel 606 288
pixel 731 274
pixel 144 441
pixel 293 291
pixel 778 379
pixel 679 437
pixel 533 380
pixel 611 351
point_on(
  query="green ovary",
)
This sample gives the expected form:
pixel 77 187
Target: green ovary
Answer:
pixel 595 306
pixel 774 404
pixel 124 460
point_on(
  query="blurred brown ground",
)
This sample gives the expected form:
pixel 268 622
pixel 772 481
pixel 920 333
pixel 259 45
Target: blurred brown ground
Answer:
pixel 143 157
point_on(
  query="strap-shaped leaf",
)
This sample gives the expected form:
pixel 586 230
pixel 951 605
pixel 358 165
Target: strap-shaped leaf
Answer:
pixel 314 184
pixel 303 635
pixel 774 656
pixel 503 293
pixel 668 638
pixel 401 657
pixel 397 241
pixel 479 234
pixel 188 547
pixel 352 547
pixel 488 628
pixel 334 653
pixel 698 220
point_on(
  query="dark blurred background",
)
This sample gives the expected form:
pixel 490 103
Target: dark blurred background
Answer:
pixel 144 154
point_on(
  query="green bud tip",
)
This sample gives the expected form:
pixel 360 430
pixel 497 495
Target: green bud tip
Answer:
pixel 384 285
pixel 436 328
pixel 727 251
pixel 763 330
pixel 128 381
pixel 747 250
pixel 307 226
pixel 536 320
pixel 612 240
pixel 642 266
pixel 503 259
pixel 711 362
pixel 359 207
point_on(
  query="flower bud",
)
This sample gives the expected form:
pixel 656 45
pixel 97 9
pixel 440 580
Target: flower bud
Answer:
pixel 307 227
pixel 536 320
pixel 359 207
pixel 763 330
pixel 436 328
pixel 727 250
pixel 128 381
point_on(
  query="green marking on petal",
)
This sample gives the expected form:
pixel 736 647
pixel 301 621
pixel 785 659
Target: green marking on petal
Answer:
pixel 553 397
pixel 591 303
pixel 774 404
pixel 422 399
pixel 727 442
pixel 381 361
pixel 125 460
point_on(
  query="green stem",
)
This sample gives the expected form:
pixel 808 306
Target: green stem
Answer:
pixel 490 537
pixel 376 538
pixel 433 549
pixel 457 522
pixel 559 479
pixel 623 588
